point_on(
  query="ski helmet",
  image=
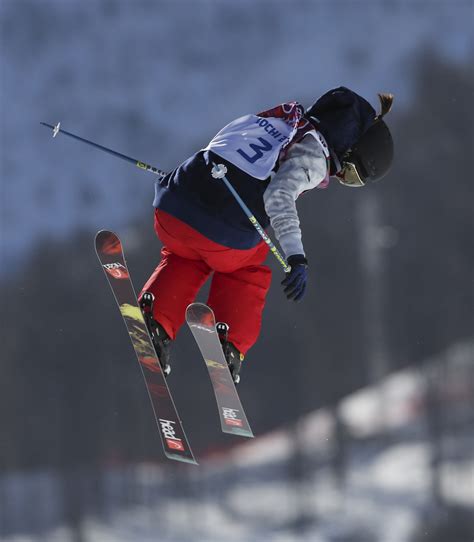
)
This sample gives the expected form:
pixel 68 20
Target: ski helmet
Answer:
pixel 371 157
pixel 359 140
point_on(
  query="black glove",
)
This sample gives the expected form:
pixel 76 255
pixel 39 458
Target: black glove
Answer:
pixel 295 281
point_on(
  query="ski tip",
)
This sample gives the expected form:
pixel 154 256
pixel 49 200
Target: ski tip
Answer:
pixel 198 305
pixel 107 242
pixel 104 231
pixel 195 311
pixel 102 234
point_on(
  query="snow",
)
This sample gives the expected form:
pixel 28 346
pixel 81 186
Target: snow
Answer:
pixel 247 494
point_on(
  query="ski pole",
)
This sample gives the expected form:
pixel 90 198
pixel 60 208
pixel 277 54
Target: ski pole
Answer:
pixel 57 129
pixel 218 172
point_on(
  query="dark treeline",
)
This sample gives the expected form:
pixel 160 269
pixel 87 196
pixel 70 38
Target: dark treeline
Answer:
pixel 71 392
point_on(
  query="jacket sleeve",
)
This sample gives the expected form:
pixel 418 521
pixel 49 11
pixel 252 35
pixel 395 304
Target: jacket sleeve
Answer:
pixel 304 167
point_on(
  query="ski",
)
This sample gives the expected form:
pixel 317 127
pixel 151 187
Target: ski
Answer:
pixel 201 321
pixel 110 253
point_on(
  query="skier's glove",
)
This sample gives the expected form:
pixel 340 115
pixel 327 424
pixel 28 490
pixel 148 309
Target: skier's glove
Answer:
pixel 295 281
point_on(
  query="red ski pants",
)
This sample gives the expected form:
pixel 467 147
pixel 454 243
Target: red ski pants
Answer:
pixel 238 289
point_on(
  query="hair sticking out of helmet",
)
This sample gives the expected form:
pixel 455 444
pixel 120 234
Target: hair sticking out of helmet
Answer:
pixel 386 102
pixel 370 158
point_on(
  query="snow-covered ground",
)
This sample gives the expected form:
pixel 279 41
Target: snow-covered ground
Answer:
pixel 295 484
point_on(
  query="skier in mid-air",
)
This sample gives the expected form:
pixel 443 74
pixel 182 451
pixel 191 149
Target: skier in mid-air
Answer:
pixel 271 159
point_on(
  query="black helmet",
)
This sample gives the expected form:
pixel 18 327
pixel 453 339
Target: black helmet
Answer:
pixel 360 142
pixel 371 157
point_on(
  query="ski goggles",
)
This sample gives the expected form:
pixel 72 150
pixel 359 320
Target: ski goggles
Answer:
pixel 349 175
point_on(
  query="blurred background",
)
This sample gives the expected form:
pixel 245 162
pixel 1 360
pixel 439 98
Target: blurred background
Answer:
pixel 361 397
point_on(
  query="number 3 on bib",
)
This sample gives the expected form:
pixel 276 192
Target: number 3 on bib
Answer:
pixel 258 150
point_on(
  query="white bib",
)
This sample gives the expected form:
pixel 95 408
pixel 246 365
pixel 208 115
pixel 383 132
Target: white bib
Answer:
pixel 253 143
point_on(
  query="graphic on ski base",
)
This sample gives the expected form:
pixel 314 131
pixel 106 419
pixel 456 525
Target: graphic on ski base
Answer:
pixel 110 253
pixel 201 321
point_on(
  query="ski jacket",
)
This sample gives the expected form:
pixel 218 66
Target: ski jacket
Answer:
pixel 304 167
pixel 271 159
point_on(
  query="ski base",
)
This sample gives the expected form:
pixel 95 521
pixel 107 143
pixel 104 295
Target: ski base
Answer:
pixel 201 321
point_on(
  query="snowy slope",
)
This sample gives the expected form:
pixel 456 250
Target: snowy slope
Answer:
pixel 253 493
pixel 156 80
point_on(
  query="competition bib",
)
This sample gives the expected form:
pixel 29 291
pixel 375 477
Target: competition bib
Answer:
pixel 253 143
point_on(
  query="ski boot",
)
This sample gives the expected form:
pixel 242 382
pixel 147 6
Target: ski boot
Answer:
pixel 159 337
pixel 233 357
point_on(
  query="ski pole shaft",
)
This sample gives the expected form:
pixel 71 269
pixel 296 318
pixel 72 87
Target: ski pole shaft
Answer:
pixel 57 129
pixel 218 172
